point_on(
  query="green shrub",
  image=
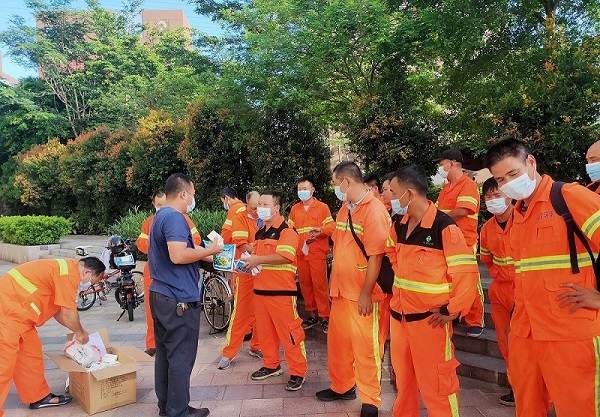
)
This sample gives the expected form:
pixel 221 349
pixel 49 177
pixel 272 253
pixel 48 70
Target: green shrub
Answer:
pixel 207 221
pixel 33 230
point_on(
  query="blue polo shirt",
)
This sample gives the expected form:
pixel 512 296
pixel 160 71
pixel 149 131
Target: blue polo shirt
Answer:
pixel 172 280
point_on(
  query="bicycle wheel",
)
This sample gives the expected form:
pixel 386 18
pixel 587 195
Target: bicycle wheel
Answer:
pixel 85 299
pixel 120 296
pixel 138 278
pixel 130 310
pixel 216 302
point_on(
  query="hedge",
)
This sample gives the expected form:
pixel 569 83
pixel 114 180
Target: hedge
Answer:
pixel 33 230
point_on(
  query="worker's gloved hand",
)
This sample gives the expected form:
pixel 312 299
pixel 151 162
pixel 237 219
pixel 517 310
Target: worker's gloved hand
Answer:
pixel 82 337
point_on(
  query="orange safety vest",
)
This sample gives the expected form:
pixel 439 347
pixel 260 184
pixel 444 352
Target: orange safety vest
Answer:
pixel 464 194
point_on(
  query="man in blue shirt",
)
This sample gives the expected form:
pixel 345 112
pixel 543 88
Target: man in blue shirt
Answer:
pixel 174 298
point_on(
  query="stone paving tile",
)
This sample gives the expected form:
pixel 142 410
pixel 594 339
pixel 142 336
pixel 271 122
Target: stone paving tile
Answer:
pixel 262 407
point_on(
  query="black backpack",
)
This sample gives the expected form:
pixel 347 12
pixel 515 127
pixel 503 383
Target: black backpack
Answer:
pixel 560 207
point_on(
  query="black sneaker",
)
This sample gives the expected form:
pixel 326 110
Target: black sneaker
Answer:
pixel 508 399
pixel 295 383
pixel 309 323
pixel 325 326
pixel 195 412
pixel 264 373
pixel 369 410
pixel 150 352
pixel 330 395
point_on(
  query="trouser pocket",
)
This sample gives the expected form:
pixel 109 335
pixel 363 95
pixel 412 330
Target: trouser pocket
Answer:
pixel 297 334
pixel 447 378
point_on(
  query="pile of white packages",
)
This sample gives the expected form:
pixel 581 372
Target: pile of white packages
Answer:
pixel 92 355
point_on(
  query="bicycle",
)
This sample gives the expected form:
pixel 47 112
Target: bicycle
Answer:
pixel 216 297
pixel 87 297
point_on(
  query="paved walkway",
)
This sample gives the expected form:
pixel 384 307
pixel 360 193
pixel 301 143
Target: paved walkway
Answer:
pixel 229 393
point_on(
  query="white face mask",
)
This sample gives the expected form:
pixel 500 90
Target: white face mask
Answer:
pixel 191 206
pixel 442 172
pixel 339 194
pixel 593 170
pixel 520 188
pixel 264 213
pixel 397 207
pixel 496 205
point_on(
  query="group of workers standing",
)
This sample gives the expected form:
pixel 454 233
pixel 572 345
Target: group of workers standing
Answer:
pixel 544 294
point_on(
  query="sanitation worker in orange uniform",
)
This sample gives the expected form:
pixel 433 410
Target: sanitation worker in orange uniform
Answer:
pixel 244 227
pixel 142 243
pixel 495 254
pixel 353 348
pixel 31 294
pixel 592 167
pixel 435 281
pixel 314 224
pixel 275 291
pixel 553 344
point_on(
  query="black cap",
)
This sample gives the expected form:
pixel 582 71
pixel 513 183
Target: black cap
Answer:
pixel 451 154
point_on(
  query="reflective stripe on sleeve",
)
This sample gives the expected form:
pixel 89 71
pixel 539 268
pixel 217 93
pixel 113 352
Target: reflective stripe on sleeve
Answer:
pixel 22 281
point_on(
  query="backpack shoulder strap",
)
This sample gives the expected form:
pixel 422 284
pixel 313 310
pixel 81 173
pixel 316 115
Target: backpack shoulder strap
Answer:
pixel 356 238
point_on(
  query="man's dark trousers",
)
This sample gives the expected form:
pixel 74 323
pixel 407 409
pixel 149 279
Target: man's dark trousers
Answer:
pixel 176 348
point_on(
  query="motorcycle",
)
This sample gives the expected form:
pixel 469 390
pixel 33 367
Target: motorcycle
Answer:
pixel 129 292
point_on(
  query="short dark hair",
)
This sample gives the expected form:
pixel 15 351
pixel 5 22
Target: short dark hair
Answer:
pixel 275 194
pixel 305 179
pixel 348 169
pixel 504 149
pixel 229 192
pixel 158 194
pixel 489 185
pixel 373 181
pixel 177 183
pixel 94 264
pixel 414 177
pixel 387 177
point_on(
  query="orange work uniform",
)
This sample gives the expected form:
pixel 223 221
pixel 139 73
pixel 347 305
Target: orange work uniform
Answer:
pixel 594 186
pixel 549 346
pixel 312 268
pixel 495 254
pixel 353 348
pixel 143 243
pixel 227 230
pixel 465 194
pixel 30 294
pixel 275 291
pixel 244 228
pixel 433 268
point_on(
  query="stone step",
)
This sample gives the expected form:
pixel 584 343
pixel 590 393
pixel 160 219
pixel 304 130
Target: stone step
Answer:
pixel 482 367
pixel 486 344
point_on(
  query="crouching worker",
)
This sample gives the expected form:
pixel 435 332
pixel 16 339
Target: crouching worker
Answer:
pixel 435 282
pixel 30 294
pixel 277 320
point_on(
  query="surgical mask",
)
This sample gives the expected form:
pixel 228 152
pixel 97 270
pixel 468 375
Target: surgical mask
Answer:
pixel 593 170
pixel 225 206
pixel 157 208
pixel 397 207
pixel 520 188
pixel 442 172
pixel 191 206
pixel 339 194
pixel 496 205
pixel 264 213
pixel 304 195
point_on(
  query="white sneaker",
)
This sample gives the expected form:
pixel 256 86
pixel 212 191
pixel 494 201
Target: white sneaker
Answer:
pixel 256 353
pixel 224 363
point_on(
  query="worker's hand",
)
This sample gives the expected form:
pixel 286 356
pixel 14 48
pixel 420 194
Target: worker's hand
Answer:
pixel 365 304
pixel 82 337
pixel 439 319
pixel 252 262
pixel 315 233
pixel 580 297
pixel 215 247
pixel 310 240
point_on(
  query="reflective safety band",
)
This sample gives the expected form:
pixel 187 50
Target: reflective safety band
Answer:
pixel 193 230
pixel 453 405
pixel 63 267
pixel 304 230
pixel 241 209
pixel 375 339
pixel 361 268
pixel 286 248
pixel 422 287
pixel 228 222
pixel 22 281
pixel 544 263
pixel 35 308
pixel 596 341
pixel 239 234
pixel 590 226
pixel 234 312
pixel 467 199
pixel 457 260
pixel 503 261
pixel 448 344
pixel 345 227
pixel 285 267
pixel 484 251
pixel 473 217
pixel 327 220
pixel 390 242
pixel 143 236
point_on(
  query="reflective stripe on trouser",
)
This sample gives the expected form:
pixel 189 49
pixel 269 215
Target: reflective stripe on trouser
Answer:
pixel 21 361
pixel 475 315
pixel 502 297
pixel 423 358
pixel 150 341
pixel 241 317
pixel 353 350
pixel 568 371
pixel 312 276
pixel 384 319
pixel 275 316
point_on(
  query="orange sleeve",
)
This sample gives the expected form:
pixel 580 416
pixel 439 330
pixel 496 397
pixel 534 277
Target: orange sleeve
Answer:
pixel 377 230
pixel 328 225
pixel 462 270
pixel 390 247
pixel 196 238
pixel 486 256
pixel 292 216
pixel 584 205
pixel 288 244
pixel 469 198
pixel 142 241
pixel 239 231
pixel 65 289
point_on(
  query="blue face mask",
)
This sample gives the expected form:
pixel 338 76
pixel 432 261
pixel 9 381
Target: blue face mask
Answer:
pixel 397 207
pixel 304 195
pixel 593 170
pixel 225 206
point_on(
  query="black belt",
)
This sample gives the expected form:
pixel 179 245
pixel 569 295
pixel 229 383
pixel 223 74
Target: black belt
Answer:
pixel 410 317
pixel 293 293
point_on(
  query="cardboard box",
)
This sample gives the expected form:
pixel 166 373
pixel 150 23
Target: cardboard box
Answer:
pixel 107 388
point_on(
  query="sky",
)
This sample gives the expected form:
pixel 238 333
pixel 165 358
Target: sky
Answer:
pixel 9 8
